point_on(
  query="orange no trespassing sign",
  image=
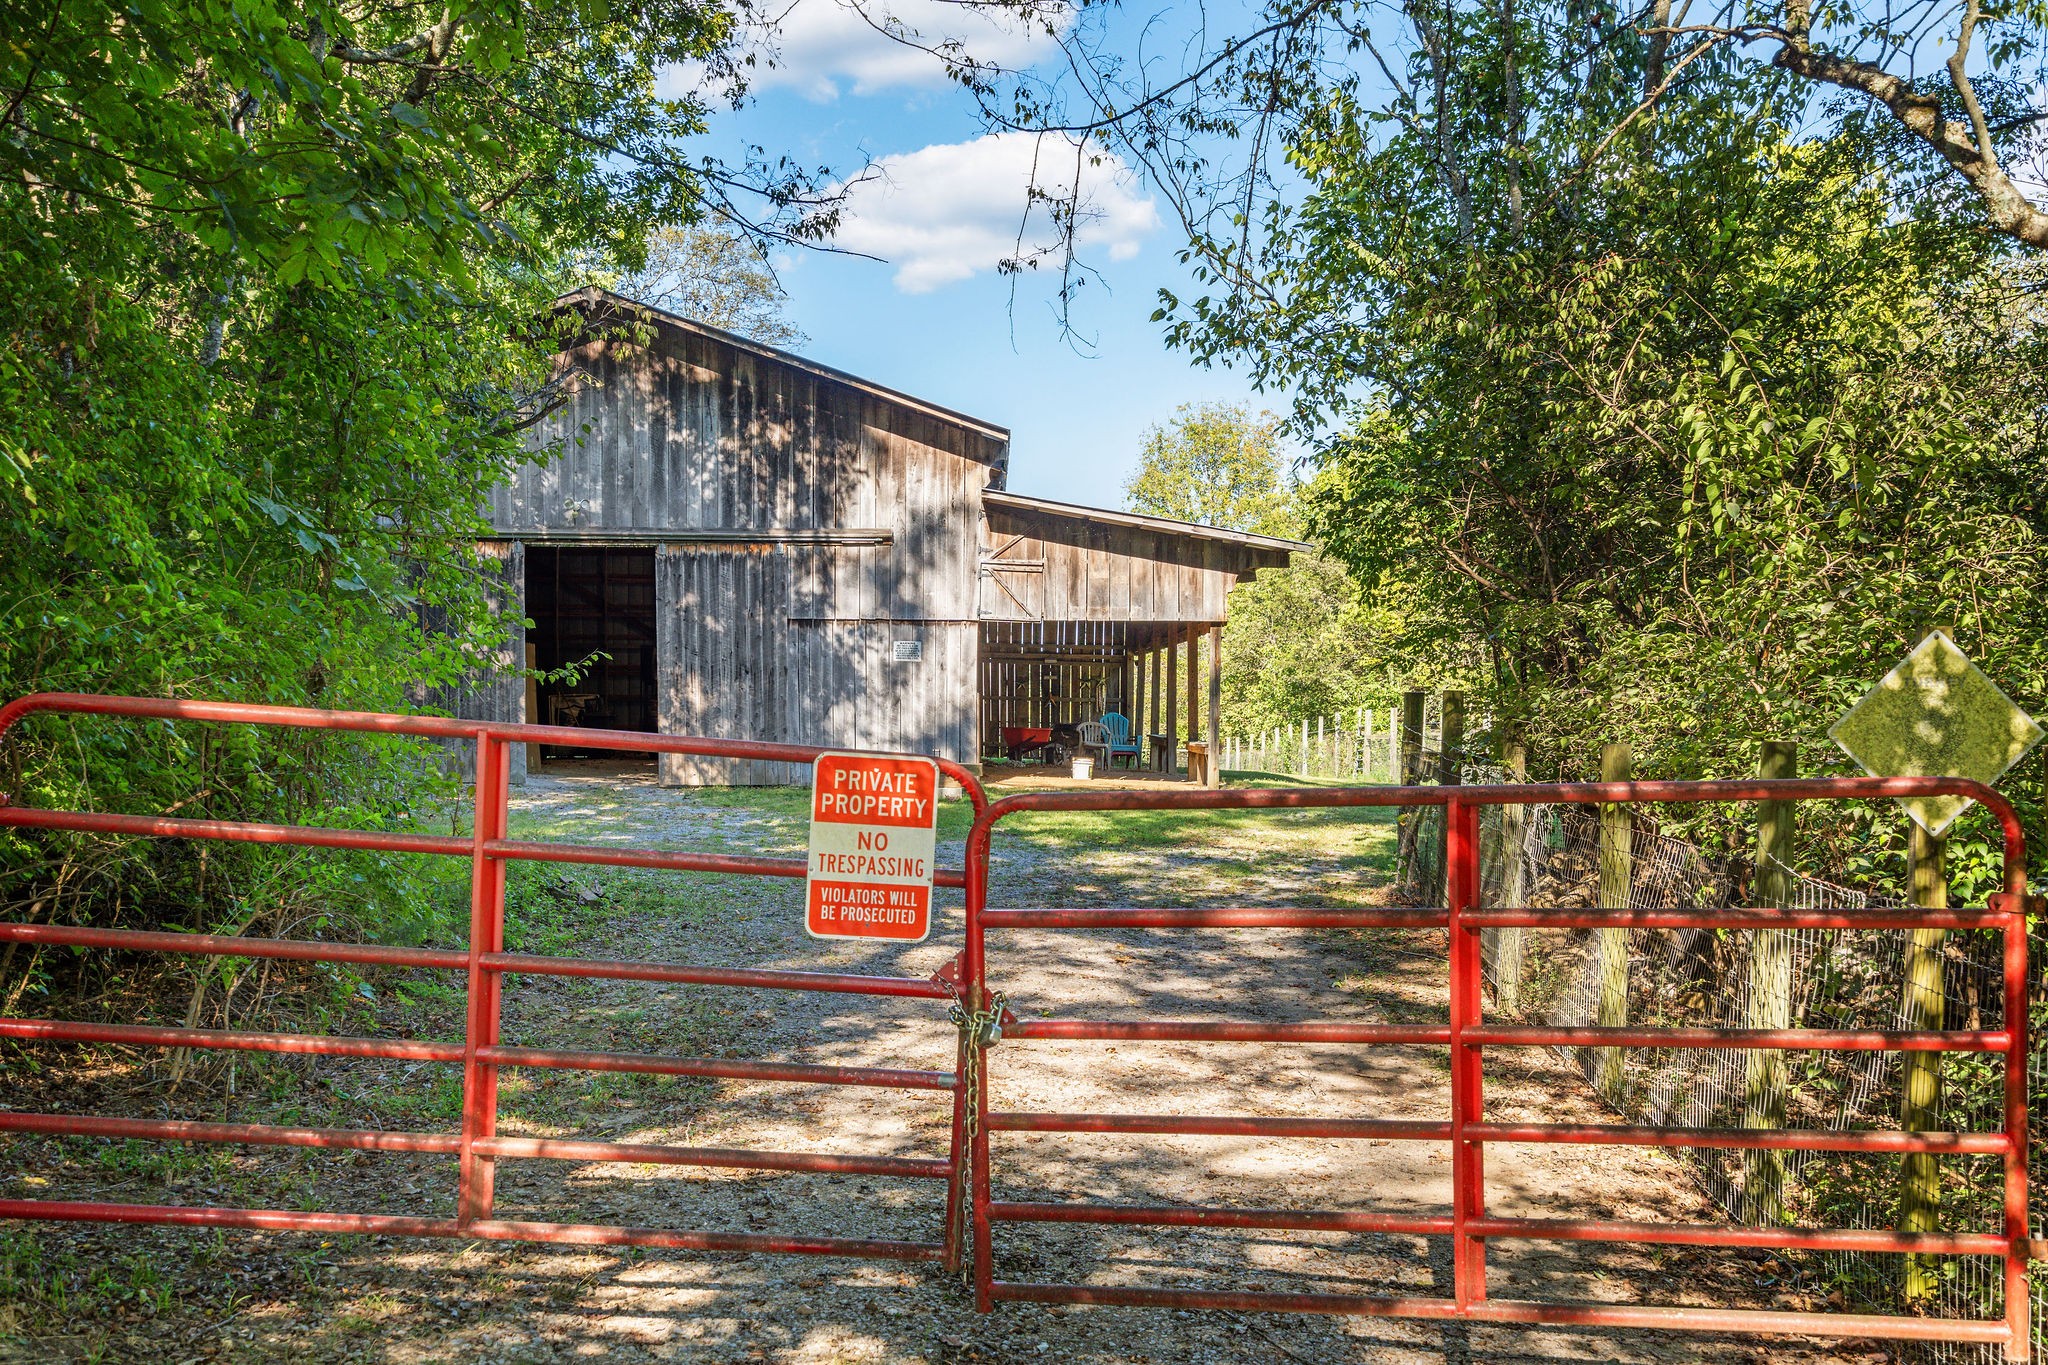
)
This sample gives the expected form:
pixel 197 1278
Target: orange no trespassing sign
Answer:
pixel 874 835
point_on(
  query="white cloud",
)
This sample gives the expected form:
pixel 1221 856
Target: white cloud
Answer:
pixel 821 48
pixel 949 212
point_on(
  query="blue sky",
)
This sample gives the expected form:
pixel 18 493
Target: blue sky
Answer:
pixel 934 318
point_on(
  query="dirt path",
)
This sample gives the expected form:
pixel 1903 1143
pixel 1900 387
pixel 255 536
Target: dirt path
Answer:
pixel 173 1296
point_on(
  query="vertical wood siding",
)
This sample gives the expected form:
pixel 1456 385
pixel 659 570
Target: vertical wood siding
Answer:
pixel 733 663
pixel 1045 568
pixel 793 642
pixel 688 433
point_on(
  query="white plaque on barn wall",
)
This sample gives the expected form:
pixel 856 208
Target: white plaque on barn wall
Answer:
pixel 909 651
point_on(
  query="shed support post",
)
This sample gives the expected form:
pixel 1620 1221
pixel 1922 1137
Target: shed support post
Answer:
pixel 1215 730
pixel 1151 701
pixel 1924 1008
pixel 1770 989
pixel 1617 868
pixel 1172 653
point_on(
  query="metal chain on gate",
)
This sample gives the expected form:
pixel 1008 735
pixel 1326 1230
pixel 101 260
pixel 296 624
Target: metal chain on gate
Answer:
pixel 979 1030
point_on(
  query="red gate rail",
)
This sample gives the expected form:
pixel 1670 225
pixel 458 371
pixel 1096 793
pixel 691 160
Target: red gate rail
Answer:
pixel 484 962
pixel 967 1166
pixel 1469 1227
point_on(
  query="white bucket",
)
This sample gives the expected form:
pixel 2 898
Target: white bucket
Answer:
pixel 1084 770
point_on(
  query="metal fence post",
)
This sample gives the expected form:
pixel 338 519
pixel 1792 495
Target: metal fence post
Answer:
pixel 1468 1194
pixel 1617 868
pixel 974 1058
pixel 1770 989
pixel 486 935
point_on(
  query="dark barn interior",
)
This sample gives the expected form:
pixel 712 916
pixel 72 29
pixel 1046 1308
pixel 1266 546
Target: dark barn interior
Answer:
pixel 585 601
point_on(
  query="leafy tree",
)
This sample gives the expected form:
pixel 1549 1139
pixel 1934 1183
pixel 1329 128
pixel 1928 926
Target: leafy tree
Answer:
pixel 270 288
pixel 1299 640
pixel 1689 480
pixel 718 275
pixel 1217 465
pixel 1303 642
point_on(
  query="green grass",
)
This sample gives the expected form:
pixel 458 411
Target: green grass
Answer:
pixel 1166 829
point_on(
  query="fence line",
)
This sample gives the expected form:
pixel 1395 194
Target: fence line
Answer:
pixel 1359 744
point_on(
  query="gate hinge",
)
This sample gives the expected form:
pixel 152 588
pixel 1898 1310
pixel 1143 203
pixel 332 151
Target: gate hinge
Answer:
pixel 2002 902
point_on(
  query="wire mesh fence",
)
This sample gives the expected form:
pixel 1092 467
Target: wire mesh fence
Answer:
pixel 1557 856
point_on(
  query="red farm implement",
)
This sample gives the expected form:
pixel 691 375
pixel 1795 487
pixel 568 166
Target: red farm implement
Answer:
pixel 482 965
pixel 974 990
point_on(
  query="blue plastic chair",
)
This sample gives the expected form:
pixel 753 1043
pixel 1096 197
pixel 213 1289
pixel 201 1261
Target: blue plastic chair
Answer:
pixel 1121 743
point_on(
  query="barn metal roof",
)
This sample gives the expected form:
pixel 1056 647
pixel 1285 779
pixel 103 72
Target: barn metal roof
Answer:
pixel 593 294
pixel 1018 502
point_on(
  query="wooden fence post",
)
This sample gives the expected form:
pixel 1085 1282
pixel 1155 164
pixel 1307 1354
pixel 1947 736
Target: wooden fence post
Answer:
pixel 1507 945
pixel 1410 771
pixel 1617 869
pixel 1450 767
pixel 1411 738
pixel 1770 988
pixel 1924 1007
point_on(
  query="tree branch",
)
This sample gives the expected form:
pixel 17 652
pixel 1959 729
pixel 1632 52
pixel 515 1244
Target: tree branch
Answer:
pixel 2006 207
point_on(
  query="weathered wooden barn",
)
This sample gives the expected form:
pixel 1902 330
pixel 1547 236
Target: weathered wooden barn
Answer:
pixel 769 548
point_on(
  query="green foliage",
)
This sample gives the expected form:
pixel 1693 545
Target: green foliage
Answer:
pixel 714 274
pixel 1300 641
pixel 1691 449
pixel 1217 465
pixel 271 278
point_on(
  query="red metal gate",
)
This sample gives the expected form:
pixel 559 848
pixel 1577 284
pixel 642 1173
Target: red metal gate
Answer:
pixel 483 965
pixel 1468 1034
pixel 966 1168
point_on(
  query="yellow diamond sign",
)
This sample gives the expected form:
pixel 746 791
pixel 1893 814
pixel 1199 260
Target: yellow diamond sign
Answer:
pixel 1936 715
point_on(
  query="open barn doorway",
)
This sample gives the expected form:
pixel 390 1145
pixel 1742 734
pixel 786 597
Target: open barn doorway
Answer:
pixel 593 608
